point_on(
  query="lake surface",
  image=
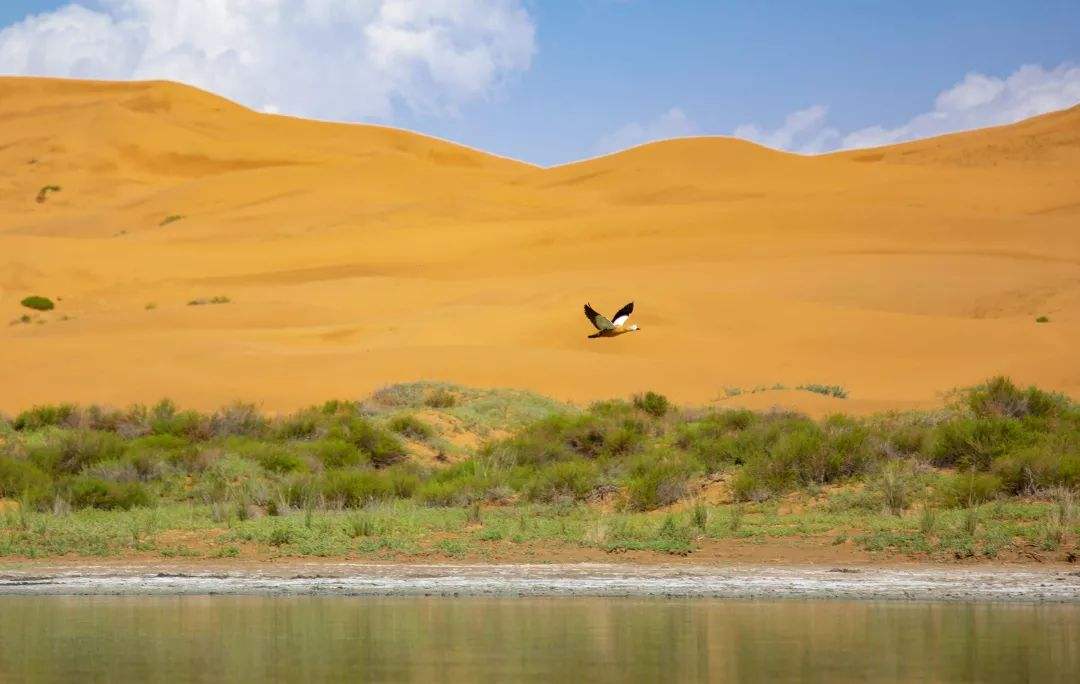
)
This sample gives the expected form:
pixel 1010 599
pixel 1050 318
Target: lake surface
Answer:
pixel 585 639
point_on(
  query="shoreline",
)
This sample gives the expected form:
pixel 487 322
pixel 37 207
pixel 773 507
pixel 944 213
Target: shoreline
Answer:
pixel 1054 584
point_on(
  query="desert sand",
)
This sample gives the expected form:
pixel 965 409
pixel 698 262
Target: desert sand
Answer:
pixel 356 256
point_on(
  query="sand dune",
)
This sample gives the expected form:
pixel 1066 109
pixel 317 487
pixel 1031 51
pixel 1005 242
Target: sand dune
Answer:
pixel 356 256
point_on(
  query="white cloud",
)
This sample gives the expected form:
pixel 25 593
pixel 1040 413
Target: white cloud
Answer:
pixel 976 101
pixel 335 59
pixel 671 124
pixel 803 130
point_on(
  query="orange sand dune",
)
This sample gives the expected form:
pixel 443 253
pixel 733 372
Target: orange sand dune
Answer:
pixel 357 256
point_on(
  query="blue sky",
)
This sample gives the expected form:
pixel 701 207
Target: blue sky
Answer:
pixel 550 82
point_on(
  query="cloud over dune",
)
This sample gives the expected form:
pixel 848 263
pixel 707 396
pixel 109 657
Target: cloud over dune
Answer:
pixel 671 124
pixel 334 59
pixel 976 101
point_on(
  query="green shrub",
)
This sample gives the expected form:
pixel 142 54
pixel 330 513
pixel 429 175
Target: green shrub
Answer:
pixel 354 488
pixel 656 405
pixel 336 453
pixel 895 486
pixel 276 458
pixel 974 442
pixel 77 449
pixel 231 478
pixel 411 427
pixel 1048 463
pixel 402 481
pixel 380 446
pixel 654 482
pixel 461 484
pixel 360 525
pixel 1042 319
pixel 907 439
pixel 968 489
pixel 92 492
pixel 166 419
pixel 999 397
pixel 562 436
pixel 38 303
pixel 440 398
pixel 573 480
pixel 306 424
pixel 19 479
pixel 236 420
pixel 45 416
pixel 449 493
pixel 153 456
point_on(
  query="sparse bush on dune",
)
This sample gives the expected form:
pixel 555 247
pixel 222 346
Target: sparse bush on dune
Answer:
pixel 204 301
pixel 44 416
pixel 379 445
pixel 411 427
pixel 1000 397
pixel 440 398
pixel 45 191
pixel 38 303
pixel 656 405
pixel 827 390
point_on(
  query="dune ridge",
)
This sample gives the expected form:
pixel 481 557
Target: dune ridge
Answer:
pixel 355 256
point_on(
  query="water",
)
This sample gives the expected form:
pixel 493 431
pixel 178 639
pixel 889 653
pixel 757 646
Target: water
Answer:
pixel 304 638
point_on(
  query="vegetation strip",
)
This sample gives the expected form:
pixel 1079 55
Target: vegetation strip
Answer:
pixel 429 469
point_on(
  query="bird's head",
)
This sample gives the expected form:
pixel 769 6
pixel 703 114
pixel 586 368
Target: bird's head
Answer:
pixel 634 328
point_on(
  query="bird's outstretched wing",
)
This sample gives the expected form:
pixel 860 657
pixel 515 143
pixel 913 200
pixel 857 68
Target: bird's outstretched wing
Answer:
pixel 622 314
pixel 597 320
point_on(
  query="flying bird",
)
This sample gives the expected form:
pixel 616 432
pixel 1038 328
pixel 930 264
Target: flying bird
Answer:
pixel 616 326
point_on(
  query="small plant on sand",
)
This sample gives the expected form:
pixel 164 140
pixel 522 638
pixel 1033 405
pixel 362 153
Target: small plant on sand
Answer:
pixel 171 218
pixel 1042 319
pixel 150 306
pixel 43 193
pixel 203 301
pixel 827 390
pixel 38 303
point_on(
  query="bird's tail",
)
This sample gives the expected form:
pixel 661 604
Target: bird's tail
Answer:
pixel 594 336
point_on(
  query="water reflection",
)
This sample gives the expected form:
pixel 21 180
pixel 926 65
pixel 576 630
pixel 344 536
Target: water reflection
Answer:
pixel 559 639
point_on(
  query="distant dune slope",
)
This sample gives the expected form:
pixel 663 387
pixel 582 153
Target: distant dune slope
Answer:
pixel 355 256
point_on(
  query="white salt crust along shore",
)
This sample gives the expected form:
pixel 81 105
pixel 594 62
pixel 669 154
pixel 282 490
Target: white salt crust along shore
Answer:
pixel 1060 584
